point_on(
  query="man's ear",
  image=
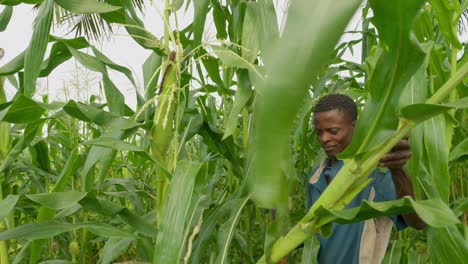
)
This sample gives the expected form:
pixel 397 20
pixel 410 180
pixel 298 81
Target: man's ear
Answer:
pixel 353 124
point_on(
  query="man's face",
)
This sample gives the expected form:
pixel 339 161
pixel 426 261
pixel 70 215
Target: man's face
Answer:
pixel 334 130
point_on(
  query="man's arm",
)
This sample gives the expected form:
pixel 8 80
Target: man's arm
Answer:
pixel 395 161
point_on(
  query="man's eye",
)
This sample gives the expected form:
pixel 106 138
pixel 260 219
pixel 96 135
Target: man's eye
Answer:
pixel 334 131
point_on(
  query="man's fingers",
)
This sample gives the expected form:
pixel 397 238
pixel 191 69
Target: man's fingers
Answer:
pixel 392 164
pixel 402 145
pixel 400 155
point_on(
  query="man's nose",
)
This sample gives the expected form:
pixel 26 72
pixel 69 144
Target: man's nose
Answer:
pixel 325 137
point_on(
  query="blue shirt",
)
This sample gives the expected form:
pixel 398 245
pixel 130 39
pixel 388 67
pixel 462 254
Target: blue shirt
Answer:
pixel 343 244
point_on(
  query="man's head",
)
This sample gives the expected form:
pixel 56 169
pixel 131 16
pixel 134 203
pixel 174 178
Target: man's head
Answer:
pixel 334 119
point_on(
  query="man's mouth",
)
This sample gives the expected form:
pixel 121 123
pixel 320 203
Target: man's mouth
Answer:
pixel 327 148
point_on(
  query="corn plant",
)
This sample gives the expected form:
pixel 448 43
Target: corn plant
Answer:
pixel 221 132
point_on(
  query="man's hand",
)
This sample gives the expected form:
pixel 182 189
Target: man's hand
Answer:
pixel 398 156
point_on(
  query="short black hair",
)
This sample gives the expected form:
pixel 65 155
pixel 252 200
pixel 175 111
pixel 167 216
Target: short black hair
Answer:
pixel 337 101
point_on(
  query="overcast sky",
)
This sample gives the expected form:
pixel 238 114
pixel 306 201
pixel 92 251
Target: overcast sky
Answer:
pixel 63 82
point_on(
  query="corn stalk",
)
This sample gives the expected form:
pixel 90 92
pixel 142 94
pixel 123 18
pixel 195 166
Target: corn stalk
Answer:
pixel 4 148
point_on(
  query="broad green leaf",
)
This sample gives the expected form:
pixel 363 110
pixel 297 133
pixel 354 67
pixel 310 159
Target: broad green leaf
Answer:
pixel 280 98
pixel 7 204
pixel 113 248
pixel 176 4
pixel 433 212
pixel 5 17
pixel 115 99
pixel 219 20
pixel 68 169
pixel 460 150
pixel 447 245
pixel 231 59
pixel 214 218
pixel 57 200
pixel 420 112
pixel 251 32
pixel 108 208
pixel 114 143
pixel 400 60
pixel 21 111
pixel 100 117
pixel 104 59
pixel 227 230
pixel 243 95
pixel 88 61
pixel 268 22
pixel 14 65
pixel 37 47
pixel 448 15
pixel 106 230
pixel 33 231
pixel 310 251
pixel 200 11
pixel 29 133
pixel 437 154
pixel 103 157
pixel 416 92
pixel 212 67
pixel 86 6
pixel 394 253
pixel 175 213
pixel 151 74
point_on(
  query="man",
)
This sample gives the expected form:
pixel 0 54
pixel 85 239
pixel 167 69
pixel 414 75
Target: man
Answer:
pixel 363 242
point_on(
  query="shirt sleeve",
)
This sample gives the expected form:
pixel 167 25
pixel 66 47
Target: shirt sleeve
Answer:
pixel 385 191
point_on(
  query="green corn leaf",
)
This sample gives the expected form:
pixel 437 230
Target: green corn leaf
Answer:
pixel 447 245
pixel 231 59
pixel 29 133
pixel 116 144
pixel 460 150
pixel 269 30
pixel 397 64
pixel 37 47
pixel 86 6
pixel 251 32
pixel 433 212
pixel 115 99
pixel 108 208
pixel 211 65
pixel 21 111
pixel 448 14
pixel 310 251
pixel 227 230
pixel 219 20
pixel 13 66
pixel 33 231
pixel 5 17
pixel 100 117
pixel 113 248
pixel 200 11
pixel 175 213
pixel 57 200
pixel 282 98
pixel 393 255
pixel 151 74
pixel 104 59
pixel 437 154
pixel 68 169
pixel 176 4
pixel 243 95
pixel 7 204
